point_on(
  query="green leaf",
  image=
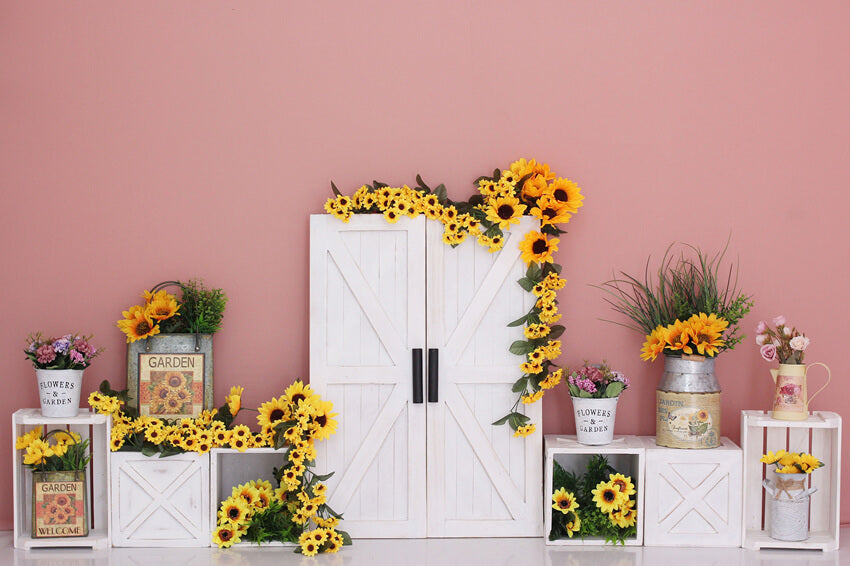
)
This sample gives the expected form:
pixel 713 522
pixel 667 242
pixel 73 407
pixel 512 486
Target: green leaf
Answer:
pixel 518 322
pixel 323 477
pixel 149 450
pixel 526 283
pixel 555 332
pixel 502 421
pixel 442 194
pixel 346 538
pixel 534 272
pixel 520 385
pixel 521 347
pixel 422 183
pixel 574 391
pixel 335 190
pixel 584 394
pixel 614 388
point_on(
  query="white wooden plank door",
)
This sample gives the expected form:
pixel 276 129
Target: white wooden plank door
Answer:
pixel 367 313
pixel 481 480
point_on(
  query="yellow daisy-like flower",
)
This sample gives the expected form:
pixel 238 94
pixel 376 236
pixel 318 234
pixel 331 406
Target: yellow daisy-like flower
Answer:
pixel 325 419
pixel 531 368
pixel 655 344
pixel 552 379
pixel 607 497
pixel 116 442
pixel 221 437
pixel 552 349
pixel 532 398
pixel 550 212
pixel 235 510
pixel 623 484
pixel 705 338
pixel 273 412
pixel 679 337
pixel 329 523
pixel 771 458
pixel 488 188
pixel 534 331
pixel 789 469
pixel 525 430
pixel 162 308
pixel 564 501
pixel 538 247
pixel 550 316
pixel 226 535
pixel 299 392
pixel 504 211
pixel 25 440
pixel 309 548
pixel 533 188
pixel 809 463
pixel 711 322
pixel 573 526
pixel 155 434
pixel 234 399
pixel 554 281
pixel 137 324
pixel 567 193
pixel 247 491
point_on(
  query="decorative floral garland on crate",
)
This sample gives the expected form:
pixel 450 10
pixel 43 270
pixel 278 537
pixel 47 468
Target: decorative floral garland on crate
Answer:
pixel 255 511
pixel 526 188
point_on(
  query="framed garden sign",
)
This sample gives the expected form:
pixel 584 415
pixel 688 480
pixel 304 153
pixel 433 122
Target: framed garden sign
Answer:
pixel 170 375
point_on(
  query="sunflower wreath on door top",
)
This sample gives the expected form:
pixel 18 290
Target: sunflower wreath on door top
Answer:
pixel 526 188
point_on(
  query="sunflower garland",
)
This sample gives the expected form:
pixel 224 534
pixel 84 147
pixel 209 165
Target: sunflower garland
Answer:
pixel 525 188
pixel 599 503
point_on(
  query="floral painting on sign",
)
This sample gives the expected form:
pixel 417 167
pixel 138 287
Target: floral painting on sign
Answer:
pixel 171 385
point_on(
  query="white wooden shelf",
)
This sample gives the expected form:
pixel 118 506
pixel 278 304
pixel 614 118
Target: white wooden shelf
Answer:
pixel 819 435
pixel 625 453
pixel 96 428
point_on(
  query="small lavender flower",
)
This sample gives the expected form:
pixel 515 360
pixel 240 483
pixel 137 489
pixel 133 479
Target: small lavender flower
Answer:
pixel 61 345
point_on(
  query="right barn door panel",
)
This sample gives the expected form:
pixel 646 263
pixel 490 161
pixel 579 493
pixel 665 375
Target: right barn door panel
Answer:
pixel 481 480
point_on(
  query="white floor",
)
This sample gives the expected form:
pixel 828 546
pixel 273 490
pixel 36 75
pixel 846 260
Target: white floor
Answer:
pixel 437 552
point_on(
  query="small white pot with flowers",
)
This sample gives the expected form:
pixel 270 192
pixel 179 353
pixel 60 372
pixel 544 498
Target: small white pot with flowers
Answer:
pixel 59 364
pixel 595 390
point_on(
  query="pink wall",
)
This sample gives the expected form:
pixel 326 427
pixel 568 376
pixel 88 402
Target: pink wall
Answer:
pixel 157 140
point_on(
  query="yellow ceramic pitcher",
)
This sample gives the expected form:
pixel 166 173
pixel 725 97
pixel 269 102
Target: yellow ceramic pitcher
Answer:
pixel 790 403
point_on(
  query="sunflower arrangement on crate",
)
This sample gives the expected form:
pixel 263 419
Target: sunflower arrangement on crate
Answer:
pixel 599 503
pixel 526 188
pixel 132 432
pixel 296 510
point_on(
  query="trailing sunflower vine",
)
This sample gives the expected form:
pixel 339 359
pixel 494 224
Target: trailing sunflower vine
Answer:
pixel 526 188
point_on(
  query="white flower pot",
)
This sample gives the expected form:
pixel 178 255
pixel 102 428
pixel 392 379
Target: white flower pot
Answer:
pixel 59 391
pixel 595 419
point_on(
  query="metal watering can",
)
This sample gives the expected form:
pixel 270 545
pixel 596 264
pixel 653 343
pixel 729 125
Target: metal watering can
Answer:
pixel 790 402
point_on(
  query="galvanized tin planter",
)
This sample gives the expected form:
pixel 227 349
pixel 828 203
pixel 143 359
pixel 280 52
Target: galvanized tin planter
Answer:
pixel 688 404
pixel 59 504
pixel 171 375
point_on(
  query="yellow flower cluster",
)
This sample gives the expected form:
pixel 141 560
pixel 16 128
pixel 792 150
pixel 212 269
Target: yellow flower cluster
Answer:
pixel 701 333
pixel 614 497
pixel 792 463
pixel 38 450
pixel 142 321
pixel 566 503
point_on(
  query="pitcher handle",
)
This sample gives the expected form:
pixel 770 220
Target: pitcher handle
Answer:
pixel 828 378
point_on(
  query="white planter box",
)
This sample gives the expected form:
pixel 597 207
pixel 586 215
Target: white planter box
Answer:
pixel 626 454
pixel 229 468
pixel 160 501
pixel 88 425
pixel 693 497
pixel 819 435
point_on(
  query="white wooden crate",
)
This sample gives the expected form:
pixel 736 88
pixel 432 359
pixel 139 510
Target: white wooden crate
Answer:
pixel 819 435
pixel 693 497
pixel 626 454
pixel 160 501
pixel 90 426
pixel 229 468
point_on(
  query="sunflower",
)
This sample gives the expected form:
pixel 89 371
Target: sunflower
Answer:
pixel 504 211
pixel 706 340
pixel 333 545
pixel 607 497
pixel 234 400
pixel 154 434
pixel 162 308
pixel 538 247
pixel 238 443
pixel 23 441
pixel 567 193
pixel 573 526
pixel 37 452
pixel 702 415
pixel 298 392
pixel 771 458
pixel 712 322
pixel 679 337
pixel 175 379
pixel 655 344
pixel 246 491
pixel 564 501
pixel 309 548
pixel 809 463
pixel 628 515
pixel 234 510
pixel 531 368
pixel 554 281
pixel 487 188
pixel 534 331
pixel 325 419
pixel 273 412
pixel 550 211
pixel 137 324
pixel 552 380
pixel 622 483
pixel 226 535
pixel 528 399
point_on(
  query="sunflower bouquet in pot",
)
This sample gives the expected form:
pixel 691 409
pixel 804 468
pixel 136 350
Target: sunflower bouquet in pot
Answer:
pixel 598 503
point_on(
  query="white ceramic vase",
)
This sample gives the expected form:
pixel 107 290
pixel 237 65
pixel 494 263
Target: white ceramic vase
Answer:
pixel 595 419
pixel 59 391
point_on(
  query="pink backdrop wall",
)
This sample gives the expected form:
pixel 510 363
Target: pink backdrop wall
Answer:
pixel 158 140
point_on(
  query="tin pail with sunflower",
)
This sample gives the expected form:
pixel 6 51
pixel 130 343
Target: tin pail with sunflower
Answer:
pixel 59 501
pixel 688 404
pixel 788 506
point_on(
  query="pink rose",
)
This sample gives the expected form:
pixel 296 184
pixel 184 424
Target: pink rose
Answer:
pixel 768 352
pixel 779 320
pixel 799 343
pixel 761 327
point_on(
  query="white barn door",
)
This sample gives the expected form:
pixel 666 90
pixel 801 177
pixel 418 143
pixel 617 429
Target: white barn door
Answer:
pixel 481 480
pixel 367 313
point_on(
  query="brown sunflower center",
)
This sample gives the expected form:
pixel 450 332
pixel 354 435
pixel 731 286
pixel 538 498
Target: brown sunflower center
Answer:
pixel 143 328
pixel 175 381
pixel 539 246
pixel 276 415
pixel 609 495
pixel 620 484
pixel 297 397
pixel 561 195
pixel 322 420
pixel 564 503
pixel 233 513
pixel 225 535
pixel 505 211
pixel 163 393
pixel 550 212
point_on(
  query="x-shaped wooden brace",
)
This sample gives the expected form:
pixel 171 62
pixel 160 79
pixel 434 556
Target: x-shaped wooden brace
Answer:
pixel 161 500
pixel 692 497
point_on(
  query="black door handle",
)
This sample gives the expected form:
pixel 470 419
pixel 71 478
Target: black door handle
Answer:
pixel 417 375
pixel 433 374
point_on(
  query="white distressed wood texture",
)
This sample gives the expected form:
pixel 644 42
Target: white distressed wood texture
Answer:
pixel 96 428
pixel 481 480
pixel 368 310
pixel 819 435
pixel 160 501
pixel 693 497
pixel 626 454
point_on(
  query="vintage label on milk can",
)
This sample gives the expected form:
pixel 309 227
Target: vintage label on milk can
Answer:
pixel 687 420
